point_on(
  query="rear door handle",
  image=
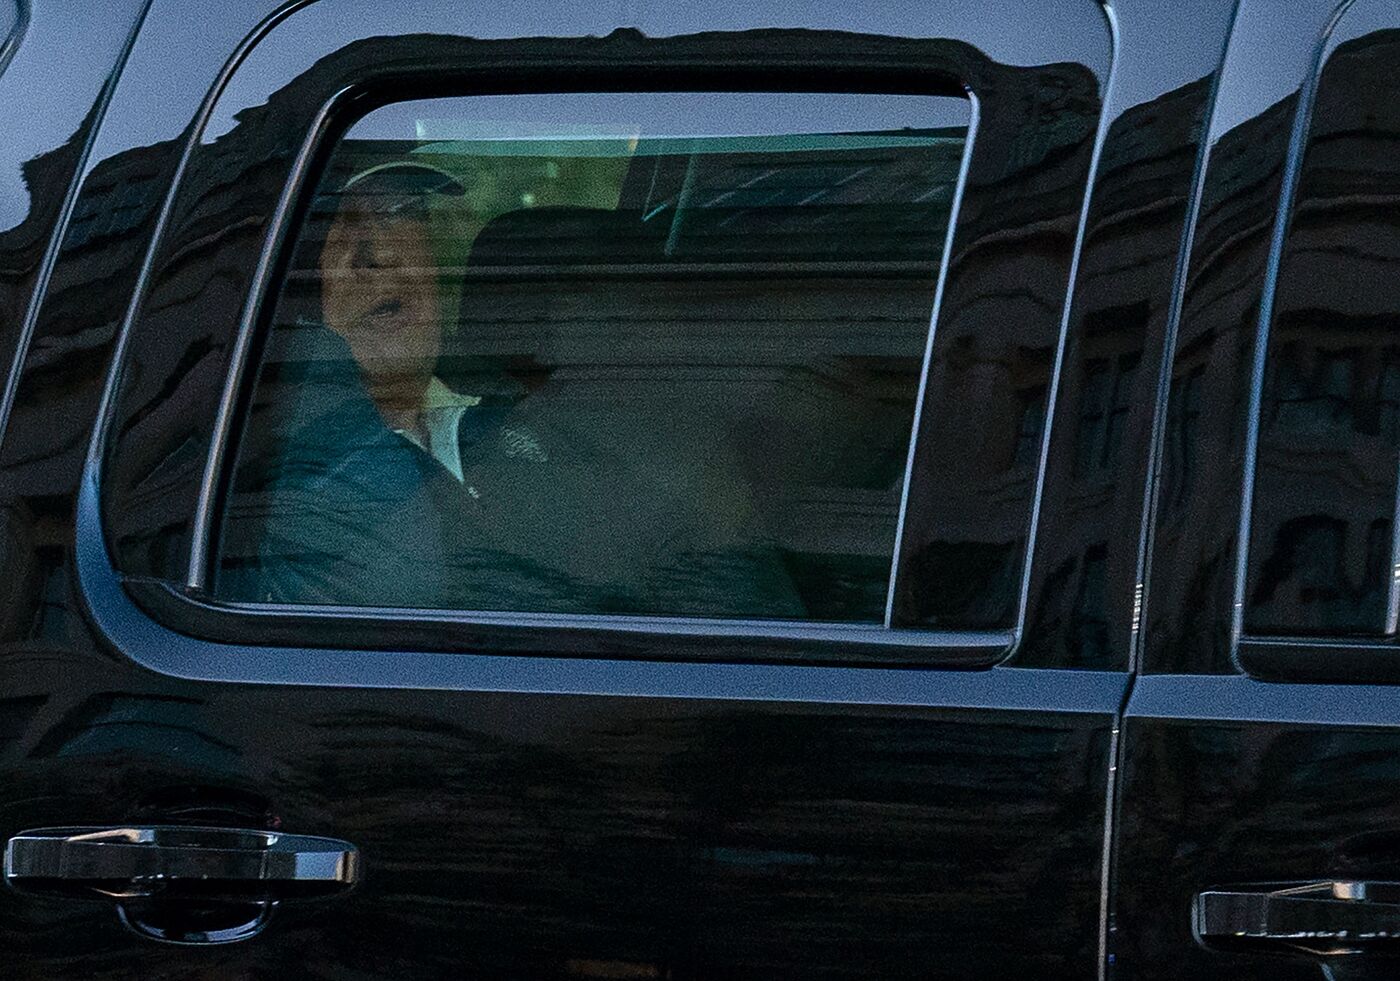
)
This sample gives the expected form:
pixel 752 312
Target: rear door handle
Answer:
pixel 1325 917
pixel 182 884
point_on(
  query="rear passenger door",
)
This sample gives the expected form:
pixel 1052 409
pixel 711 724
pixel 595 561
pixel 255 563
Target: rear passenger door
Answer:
pixel 1258 831
pixel 821 681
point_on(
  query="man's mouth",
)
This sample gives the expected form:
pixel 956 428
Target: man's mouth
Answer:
pixel 384 318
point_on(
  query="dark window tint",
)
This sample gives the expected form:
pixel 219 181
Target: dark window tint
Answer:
pixel 1321 550
pixel 600 353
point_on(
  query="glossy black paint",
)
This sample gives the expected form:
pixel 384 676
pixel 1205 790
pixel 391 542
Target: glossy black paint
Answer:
pixel 528 816
pixel 1205 445
pixel 1083 605
pixel 1237 766
pixel 1028 170
pixel 1231 780
pixel 555 817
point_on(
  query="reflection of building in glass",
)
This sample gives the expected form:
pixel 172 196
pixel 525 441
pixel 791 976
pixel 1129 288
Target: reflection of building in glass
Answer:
pixel 985 420
pixel 122 196
pixel 1197 516
pixel 1327 460
pixel 1182 438
pixel 1091 507
pixel 1103 410
pixel 1329 452
pixel 120 211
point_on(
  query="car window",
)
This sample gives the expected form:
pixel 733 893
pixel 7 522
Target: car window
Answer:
pixel 599 353
pixel 1323 552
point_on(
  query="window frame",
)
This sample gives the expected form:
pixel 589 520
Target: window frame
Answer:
pixel 186 608
pixel 336 121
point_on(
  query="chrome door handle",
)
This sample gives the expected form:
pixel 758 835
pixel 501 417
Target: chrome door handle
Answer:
pixel 1325 917
pixel 130 862
pixel 181 884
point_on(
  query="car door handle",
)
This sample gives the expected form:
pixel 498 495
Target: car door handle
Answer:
pixel 144 861
pixel 179 884
pixel 1324 917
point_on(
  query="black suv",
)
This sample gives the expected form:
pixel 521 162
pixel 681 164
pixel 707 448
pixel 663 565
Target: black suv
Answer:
pixel 714 490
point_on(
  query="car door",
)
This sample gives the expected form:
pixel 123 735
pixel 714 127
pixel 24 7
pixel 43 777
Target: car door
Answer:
pixel 593 791
pixel 1258 824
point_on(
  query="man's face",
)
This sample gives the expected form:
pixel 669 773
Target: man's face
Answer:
pixel 379 292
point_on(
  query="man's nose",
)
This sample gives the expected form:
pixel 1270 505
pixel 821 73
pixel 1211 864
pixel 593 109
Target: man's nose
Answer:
pixel 378 253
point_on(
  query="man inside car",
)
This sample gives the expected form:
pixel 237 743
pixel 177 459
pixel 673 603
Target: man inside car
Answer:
pixel 386 484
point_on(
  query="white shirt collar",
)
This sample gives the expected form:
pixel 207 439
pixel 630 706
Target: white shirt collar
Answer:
pixel 441 414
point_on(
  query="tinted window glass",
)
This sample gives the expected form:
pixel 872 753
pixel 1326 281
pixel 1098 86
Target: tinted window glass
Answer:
pixel 1323 555
pixel 599 353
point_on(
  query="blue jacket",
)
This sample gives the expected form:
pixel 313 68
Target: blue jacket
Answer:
pixel 573 500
